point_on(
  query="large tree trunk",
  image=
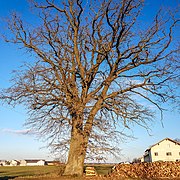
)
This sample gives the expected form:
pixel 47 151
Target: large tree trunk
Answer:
pixel 77 152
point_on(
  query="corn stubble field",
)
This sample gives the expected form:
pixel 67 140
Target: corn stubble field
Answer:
pixel 156 170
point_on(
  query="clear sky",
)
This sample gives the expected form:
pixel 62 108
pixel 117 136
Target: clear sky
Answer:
pixel 15 144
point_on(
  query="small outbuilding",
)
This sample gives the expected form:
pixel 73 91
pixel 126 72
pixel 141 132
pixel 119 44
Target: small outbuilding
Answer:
pixel 32 162
pixel 14 163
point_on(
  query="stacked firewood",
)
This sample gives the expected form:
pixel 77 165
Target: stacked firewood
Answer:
pixel 147 170
pixel 90 171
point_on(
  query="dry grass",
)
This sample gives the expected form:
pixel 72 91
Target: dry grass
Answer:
pixel 52 173
pixel 45 173
pixel 29 171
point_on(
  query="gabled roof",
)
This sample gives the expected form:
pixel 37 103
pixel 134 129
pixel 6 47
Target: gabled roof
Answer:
pixel 15 160
pixel 176 142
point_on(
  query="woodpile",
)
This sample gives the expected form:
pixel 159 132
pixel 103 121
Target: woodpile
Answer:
pixel 90 171
pixel 147 170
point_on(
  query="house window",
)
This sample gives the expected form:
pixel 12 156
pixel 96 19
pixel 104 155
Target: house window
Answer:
pixel 156 153
pixel 168 154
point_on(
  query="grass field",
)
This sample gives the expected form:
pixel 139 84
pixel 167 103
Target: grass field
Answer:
pixel 42 172
pixel 27 171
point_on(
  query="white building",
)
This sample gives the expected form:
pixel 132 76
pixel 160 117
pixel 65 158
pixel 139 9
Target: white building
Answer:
pixel 14 163
pixel 31 162
pixel 23 163
pixel 165 150
pixel 2 162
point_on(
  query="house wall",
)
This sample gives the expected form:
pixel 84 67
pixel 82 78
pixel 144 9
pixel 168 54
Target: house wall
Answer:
pixel 146 159
pixel 38 163
pixel 31 164
pixel 41 163
pixel 147 156
pixel 160 150
pixel 13 163
pixel 23 163
pixel 2 163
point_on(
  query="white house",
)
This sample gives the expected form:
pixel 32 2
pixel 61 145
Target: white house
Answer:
pixel 14 163
pixel 23 163
pixel 165 150
pixel 31 162
pixel 2 162
pixel 5 163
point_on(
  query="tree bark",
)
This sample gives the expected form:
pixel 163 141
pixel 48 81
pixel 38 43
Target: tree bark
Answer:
pixel 77 152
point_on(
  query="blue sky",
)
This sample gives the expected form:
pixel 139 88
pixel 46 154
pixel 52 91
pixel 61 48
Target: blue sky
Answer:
pixel 14 144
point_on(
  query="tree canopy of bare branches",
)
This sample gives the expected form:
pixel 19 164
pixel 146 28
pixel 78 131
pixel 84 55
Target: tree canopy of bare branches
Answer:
pixel 95 69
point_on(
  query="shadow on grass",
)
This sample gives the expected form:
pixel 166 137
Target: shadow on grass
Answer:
pixel 7 177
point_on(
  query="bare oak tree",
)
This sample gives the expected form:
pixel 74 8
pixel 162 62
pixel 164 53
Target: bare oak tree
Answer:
pixel 96 69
